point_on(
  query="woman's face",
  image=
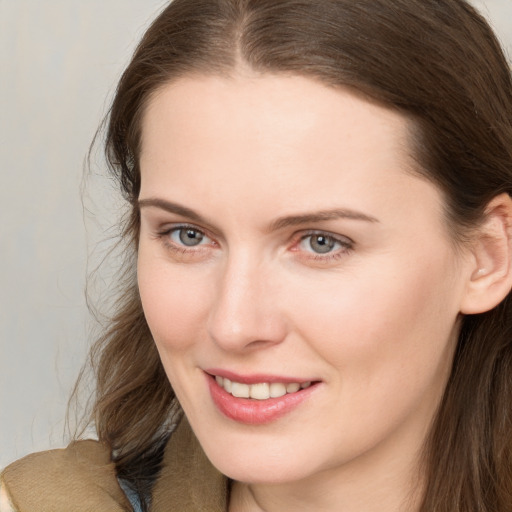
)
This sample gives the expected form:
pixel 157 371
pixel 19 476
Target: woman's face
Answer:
pixel 284 241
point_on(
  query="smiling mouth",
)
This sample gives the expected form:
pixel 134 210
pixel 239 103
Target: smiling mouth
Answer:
pixel 258 399
pixel 260 390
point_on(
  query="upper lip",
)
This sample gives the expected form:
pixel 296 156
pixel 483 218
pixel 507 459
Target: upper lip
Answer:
pixel 255 378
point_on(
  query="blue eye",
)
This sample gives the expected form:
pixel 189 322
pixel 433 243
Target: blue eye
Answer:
pixel 190 237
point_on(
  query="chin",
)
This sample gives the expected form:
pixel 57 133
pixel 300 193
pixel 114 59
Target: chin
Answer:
pixel 251 463
pixel 262 473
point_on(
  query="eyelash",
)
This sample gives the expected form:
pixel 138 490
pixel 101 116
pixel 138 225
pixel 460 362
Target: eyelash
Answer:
pixel 165 236
pixel 346 245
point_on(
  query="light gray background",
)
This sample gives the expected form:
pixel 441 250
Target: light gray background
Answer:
pixel 59 63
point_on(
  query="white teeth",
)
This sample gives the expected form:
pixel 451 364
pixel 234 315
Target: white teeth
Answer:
pixel 292 388
pixel 240 390
pixel 261 390
pixel 277 389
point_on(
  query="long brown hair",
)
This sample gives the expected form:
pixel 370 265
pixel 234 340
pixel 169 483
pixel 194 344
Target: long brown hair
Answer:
pixel 436 61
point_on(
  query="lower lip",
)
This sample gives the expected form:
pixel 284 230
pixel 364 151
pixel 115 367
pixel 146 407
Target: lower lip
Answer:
pixel 256 412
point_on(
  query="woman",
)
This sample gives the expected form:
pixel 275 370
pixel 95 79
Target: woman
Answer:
pixel 321 219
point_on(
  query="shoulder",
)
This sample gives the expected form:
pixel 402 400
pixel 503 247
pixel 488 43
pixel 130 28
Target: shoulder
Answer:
pixel 80 477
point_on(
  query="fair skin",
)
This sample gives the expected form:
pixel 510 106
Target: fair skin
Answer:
pixel 364 301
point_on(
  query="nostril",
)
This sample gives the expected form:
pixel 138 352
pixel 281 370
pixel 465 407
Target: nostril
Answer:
pixel 256 344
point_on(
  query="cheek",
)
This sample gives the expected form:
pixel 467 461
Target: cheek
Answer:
pixel 175 302
pixel 388 347
pixel 394 322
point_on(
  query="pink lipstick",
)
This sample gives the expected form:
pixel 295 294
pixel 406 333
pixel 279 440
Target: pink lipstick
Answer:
pixel 276 396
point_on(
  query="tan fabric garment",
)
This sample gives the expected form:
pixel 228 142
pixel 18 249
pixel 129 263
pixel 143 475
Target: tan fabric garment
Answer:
pixel 81 478
pixel 188 480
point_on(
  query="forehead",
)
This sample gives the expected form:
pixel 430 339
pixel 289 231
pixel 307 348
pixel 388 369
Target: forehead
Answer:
pixel 288 140
pixel 264 107
pixel 268 114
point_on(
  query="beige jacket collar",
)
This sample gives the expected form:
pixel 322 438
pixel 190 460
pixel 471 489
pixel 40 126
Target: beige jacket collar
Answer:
pixel 188 481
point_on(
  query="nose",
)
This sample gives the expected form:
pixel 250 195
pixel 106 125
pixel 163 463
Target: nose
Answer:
pixel 246 313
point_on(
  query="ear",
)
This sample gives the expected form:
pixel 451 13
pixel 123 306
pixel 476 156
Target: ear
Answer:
pixel 491 266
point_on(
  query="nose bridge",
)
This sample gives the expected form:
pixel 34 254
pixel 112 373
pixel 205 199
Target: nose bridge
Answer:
pixel 244 312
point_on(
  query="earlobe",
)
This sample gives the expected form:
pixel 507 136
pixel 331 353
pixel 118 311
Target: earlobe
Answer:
pixel 490 278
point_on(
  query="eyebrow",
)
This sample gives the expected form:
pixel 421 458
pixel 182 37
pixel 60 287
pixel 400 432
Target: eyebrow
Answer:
pixel 323 215
pixel 280 223
pixel 170 207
